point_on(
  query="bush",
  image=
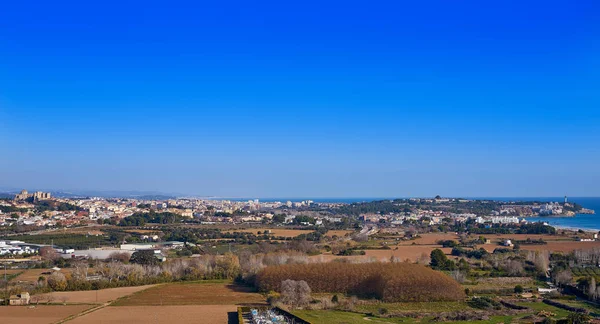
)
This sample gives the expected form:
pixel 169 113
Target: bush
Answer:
pixel 519 289
pixel 565 307
pixel 335 299
pixel 484 303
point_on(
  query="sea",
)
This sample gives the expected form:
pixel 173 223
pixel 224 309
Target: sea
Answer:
pixel 580 221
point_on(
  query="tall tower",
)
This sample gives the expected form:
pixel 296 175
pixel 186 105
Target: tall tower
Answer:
pixel 566 200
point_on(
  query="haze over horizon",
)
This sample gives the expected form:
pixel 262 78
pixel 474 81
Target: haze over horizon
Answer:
pixel 275 99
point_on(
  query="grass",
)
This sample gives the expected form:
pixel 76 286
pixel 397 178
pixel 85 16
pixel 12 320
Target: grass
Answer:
pixel 413 307
pixel 331 316
pixel 539 306
pixel 594 309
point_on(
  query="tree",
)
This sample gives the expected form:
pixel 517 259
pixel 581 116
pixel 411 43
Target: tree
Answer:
pixel 519 289
pixel 295 293
pixel 279 218
pixel 57 281
pixel 335 299
pixel 563 277
pixel 145 257
pixel 438 259
pixel 592 288
pixel 48 253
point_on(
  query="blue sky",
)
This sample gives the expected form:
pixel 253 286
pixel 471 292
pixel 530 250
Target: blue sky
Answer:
pixel 311 99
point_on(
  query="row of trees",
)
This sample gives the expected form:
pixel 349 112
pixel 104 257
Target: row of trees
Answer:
pixel 391 282
pixel 115 273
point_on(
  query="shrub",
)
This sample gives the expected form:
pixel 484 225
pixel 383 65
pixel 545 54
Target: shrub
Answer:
pixel 483 303
pixel 565 307
pixel 519 289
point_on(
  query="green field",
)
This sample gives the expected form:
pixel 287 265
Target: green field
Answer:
pixel 539 306
pixel 432 307
pixel 340 317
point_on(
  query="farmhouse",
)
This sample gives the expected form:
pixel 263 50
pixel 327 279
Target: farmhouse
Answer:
pixel 19 300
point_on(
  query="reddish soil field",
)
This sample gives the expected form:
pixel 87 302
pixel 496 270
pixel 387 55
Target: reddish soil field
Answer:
pixel 207 314
pixel 431 238
pixel 92 296
pixel 522 237
pixel 38 314
pixel 199 293
pixel 410 252
pixel 562 246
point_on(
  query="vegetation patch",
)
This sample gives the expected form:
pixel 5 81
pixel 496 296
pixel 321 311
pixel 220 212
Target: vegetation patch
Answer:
pixel 390 282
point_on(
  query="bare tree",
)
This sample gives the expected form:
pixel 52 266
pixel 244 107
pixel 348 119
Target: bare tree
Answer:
pixel 50 298
pixel 563 277
pixel 514 268
pixel 592 288
pixel 458 276
pixel 295 293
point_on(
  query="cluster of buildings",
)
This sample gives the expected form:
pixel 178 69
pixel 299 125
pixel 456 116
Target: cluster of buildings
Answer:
pixel 95 209
pixel 16 248
pixel 38 195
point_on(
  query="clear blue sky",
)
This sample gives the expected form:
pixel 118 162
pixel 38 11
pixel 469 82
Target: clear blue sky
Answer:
pixel 310 99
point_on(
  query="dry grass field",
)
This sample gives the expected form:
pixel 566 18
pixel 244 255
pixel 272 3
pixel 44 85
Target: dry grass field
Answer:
pixel 339 233
pixel 92 296
pixel 498 237
pixel 32 275
pixel 39 314
pixel 208 314
pixel 10 272
pixel 431 238
pixel 562 246
pixel 410 252
pixel 196 293
pixel 274 231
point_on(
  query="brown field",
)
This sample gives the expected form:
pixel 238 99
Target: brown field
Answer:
pixel 431 238
pixel 410 252
pixel 339 233
pixel 274 231
pixel 520 237
pixel 555 246
pixel 39 314
pixel 207 314
pixel 199 293
pixel 32 275
pixel 93 296
pixel 562 246
pixel 10 271
pixel 504 282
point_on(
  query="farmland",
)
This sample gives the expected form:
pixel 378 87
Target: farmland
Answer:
pixel 42 314
pixel 193 293
pixel 181 314
pixel 92 296
pixel 32 275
